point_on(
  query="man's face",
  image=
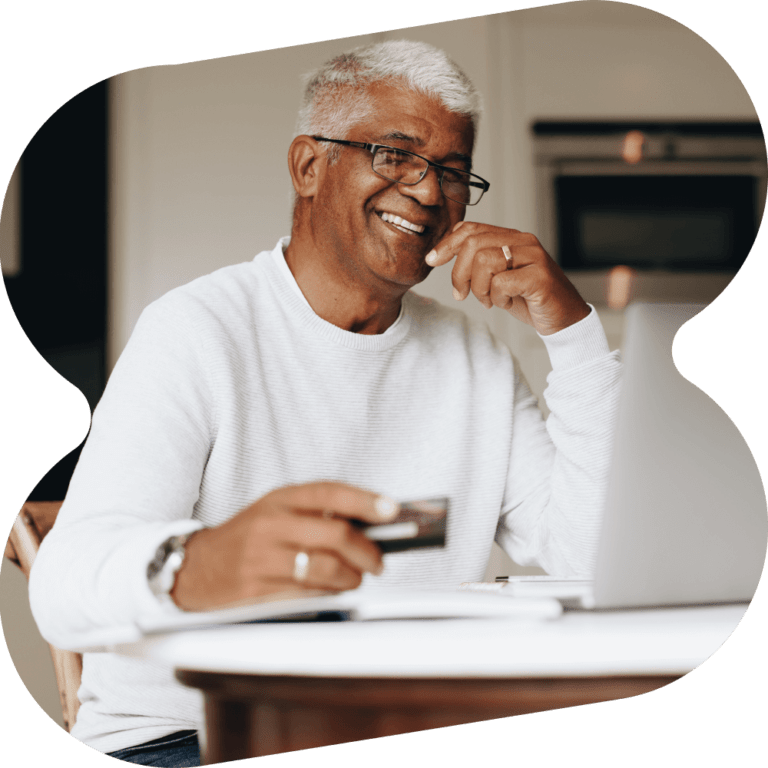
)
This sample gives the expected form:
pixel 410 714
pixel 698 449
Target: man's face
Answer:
pixel 348 208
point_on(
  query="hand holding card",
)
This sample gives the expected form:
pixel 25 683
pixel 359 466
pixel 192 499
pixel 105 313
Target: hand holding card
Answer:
pixel 419 525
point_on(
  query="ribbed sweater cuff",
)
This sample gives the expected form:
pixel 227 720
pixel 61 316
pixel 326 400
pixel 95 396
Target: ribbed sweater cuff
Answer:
pixel 577 344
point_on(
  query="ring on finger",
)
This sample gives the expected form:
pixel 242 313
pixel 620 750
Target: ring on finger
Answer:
pixel 300 567
pixel 507 253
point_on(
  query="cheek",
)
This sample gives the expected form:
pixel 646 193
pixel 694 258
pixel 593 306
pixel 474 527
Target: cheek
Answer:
pixel 457 214
pixel 454 214
pixel 335 210
pixel 354 203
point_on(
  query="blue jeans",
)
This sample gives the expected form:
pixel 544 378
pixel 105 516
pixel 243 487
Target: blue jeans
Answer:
pixel 177 750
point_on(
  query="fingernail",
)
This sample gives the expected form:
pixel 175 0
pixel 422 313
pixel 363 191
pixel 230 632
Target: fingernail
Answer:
pixel 431 257
pixel 386 508
pixel 456 294
pixel 379 569
pixel 457 225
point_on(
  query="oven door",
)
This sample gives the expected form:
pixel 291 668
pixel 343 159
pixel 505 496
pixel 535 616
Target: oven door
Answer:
pixel 672 216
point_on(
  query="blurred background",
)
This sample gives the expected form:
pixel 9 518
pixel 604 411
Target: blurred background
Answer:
pixel 618 136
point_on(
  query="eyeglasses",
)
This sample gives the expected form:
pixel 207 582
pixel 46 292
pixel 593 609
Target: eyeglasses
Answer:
pixel 409 168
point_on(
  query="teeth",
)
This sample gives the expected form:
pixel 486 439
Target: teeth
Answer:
pixel 402 223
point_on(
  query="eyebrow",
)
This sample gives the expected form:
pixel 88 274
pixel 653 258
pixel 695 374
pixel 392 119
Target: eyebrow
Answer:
pixel 400 136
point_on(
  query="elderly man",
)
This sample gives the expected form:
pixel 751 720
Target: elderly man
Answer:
pixel 255 412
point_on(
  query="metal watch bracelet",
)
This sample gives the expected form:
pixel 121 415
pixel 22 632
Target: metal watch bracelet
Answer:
pixel 162 569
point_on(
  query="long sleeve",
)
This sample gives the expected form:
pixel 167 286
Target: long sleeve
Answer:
pixel 558 476
pixel 136 484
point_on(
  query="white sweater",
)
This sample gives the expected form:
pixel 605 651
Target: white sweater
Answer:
pixel 231 387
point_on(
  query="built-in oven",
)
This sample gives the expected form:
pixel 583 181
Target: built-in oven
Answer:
pixel 671 210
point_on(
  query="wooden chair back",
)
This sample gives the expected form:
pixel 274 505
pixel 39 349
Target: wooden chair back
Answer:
pixel 29 529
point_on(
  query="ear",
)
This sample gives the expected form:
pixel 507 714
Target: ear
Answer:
pixel 306 164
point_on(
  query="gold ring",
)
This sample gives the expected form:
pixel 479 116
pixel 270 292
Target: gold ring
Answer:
pixel 507 253
pixel 300 567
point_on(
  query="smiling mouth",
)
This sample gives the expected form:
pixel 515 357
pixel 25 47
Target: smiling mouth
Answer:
pixel 402 224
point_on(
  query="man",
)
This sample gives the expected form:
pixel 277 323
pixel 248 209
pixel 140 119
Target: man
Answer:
pixel 257 411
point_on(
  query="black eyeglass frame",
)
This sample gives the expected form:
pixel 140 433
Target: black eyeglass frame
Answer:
pixel 481 183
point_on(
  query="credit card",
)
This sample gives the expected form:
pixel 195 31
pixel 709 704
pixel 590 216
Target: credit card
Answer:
pixel 420 524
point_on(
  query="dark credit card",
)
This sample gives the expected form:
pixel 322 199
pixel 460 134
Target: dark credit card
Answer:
pixel 420 524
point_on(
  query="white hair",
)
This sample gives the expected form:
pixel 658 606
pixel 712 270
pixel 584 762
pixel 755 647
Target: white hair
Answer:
pixel 336 98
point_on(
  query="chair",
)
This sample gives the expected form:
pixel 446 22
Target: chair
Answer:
pixel 29 529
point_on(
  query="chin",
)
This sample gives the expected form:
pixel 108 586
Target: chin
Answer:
pixel 411 278
pixel 400 264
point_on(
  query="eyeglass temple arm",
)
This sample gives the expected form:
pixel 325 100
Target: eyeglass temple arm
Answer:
pixel 348 143
pixel 482 184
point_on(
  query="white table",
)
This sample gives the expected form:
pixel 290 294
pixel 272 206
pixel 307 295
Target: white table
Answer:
pixel 279 687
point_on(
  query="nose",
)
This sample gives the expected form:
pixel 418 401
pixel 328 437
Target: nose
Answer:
pixel 427 191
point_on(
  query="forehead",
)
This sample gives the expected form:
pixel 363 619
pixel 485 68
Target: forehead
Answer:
pixel 398 112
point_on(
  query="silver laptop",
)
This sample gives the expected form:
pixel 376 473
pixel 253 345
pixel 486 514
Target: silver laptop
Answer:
pixel 685 519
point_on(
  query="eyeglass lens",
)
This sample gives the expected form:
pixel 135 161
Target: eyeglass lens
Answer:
pixel 406 168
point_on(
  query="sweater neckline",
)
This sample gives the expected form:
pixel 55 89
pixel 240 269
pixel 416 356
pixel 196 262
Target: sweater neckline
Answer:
pixel 290 296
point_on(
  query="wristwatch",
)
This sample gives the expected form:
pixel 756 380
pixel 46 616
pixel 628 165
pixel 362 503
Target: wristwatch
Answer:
pixel 162 570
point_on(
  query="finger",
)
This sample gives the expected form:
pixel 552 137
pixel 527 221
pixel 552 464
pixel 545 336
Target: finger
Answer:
pixel 524 252
pixel 505 251
pixel 338 498
pixel 486 264
pixel 450 245
pixel 325 571
pixel 337 536
pixel 487 243
pixel 533 280
pixel 515 288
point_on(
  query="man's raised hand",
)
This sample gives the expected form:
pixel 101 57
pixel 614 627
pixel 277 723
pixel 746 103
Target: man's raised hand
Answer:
pixel 510 269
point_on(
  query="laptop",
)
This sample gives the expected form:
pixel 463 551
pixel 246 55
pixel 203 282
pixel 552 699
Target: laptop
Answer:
pixel 685 519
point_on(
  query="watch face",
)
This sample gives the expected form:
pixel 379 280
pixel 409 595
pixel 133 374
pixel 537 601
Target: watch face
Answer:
pixel 162 569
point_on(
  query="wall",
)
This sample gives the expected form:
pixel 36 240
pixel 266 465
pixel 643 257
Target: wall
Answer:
pixel 29 651
pixel 10 251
